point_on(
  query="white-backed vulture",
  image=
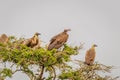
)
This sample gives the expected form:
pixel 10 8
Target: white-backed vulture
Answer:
pixel 33 42
pixel 3 38
pixel 90 55
pixel 59 40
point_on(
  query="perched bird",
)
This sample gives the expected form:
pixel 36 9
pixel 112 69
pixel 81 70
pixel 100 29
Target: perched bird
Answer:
pixel 33 42
pixel 3 38
pixel 59 40
pixel 90 55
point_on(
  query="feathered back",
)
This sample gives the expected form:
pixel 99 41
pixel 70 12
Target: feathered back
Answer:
pixel 58 40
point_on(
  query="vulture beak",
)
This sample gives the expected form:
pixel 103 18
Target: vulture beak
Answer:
pixel 37 33
pixel 66 30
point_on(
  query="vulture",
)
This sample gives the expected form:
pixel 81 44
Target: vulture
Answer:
pixel 90 55
pixel 3 38
pixel 33 42
pixel 59 40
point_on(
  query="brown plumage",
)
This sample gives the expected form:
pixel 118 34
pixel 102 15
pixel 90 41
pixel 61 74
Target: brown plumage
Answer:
pixel 3 38
pixel 90 55
pixel 33 42
pixel 58 40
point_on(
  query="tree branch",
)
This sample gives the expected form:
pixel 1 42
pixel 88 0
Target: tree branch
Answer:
pixel 53 72
pixel 41 73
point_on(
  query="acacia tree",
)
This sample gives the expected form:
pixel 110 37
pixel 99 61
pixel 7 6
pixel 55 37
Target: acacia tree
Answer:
pixel 37 62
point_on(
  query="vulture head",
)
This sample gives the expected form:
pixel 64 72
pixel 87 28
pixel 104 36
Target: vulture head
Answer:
pixel 66 30
pixel 37 34
pixel 94 45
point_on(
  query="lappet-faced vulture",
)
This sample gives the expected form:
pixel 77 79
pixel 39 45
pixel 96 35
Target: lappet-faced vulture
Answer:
pixel 33 42
pixel 3 38
pixel 90 55
pixel 59 40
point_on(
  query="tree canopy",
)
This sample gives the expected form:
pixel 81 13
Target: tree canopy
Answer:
pixel 37 62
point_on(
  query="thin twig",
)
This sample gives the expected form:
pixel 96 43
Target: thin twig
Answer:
pixel 41 73
pixel 53 72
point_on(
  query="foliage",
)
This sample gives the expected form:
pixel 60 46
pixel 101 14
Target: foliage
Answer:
pixel 87 72
pixel 24 58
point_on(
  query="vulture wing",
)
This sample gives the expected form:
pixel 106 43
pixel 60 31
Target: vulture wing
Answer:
pixel 3 38
pixel 32 42
pixel 58 41
pixel 55 37
pixel 27 42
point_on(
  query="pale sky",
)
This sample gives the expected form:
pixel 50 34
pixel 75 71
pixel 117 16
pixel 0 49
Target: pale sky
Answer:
pixel 91 21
